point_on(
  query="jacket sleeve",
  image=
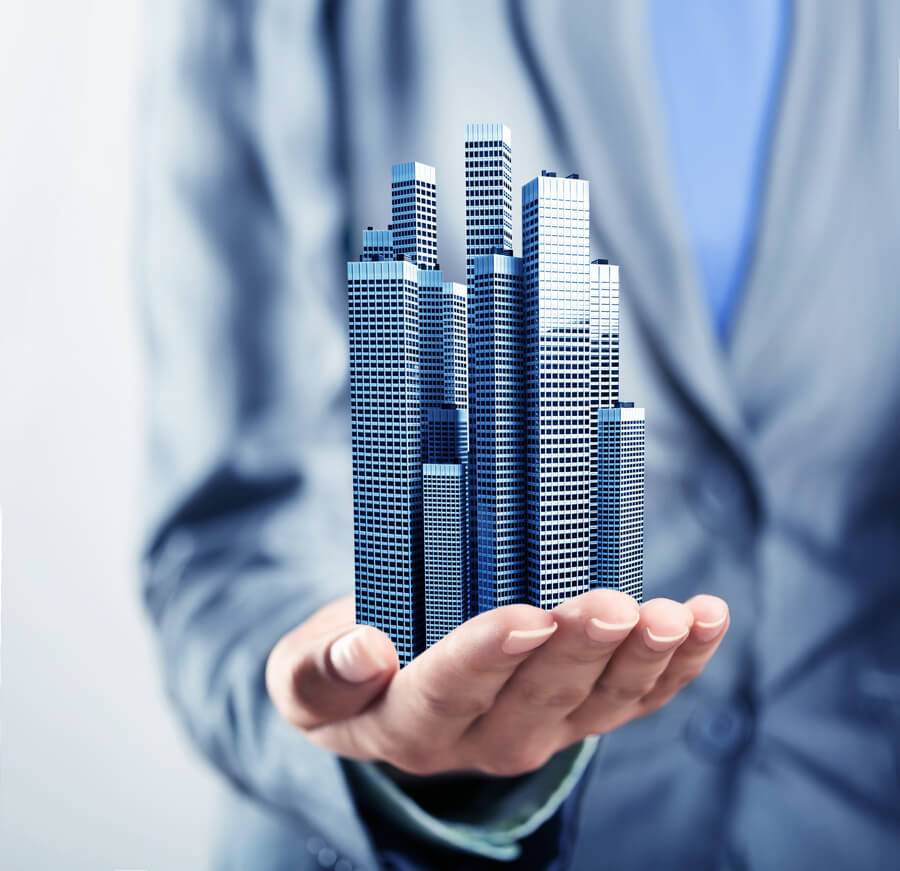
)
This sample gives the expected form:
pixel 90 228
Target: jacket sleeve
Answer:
pixel 249 487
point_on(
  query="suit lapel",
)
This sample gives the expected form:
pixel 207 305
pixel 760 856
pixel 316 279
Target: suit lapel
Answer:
pixel 607 102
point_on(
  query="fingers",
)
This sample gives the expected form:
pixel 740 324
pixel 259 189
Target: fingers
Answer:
pixel 460 676
pixel 328 668
pixel 558 677
pixel 710 624
pixel 635 667
pixel 432 701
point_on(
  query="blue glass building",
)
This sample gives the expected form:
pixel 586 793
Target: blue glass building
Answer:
pixel 377 244
pixel 414 212
pixel 488 175
pixel 488 162
pixel 604 375
pixel 383 306
pixel 556 260
pixel 444 343
pixel 620 519
pixel 497 427
pixel 444 389
pixel 446 556
pixel 447 434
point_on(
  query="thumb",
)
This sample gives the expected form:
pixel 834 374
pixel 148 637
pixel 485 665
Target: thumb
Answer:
pixel 314 679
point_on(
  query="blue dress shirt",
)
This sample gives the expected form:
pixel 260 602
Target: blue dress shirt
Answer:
pixel 720 68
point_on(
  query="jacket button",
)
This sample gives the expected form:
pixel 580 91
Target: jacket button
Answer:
pixel 326 857
pixel 720 730
pixel 720 497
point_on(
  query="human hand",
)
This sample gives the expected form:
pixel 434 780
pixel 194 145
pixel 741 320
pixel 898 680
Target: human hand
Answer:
pixel 500 694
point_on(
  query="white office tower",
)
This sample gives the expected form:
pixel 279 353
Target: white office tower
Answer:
pixel 604 374
pixel 414 213
pixel 446 555
pixel 620 518
pixel 605 282
pixel 383 299
pixel 557 280
pixel 488 156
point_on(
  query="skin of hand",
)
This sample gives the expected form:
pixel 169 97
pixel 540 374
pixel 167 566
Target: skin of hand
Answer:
pixel 500 694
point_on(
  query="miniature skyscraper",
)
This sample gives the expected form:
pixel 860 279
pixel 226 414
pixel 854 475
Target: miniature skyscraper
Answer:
pixel 556 257
pixel 488 175
pixel 618 489
pixel 489 204
pixel 497 382
pixel 620 519
pixel 445 436
pixel 414 212
pixel 383 301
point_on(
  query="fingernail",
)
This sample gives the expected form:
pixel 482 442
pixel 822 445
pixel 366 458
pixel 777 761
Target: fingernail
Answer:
pixel 707 630
pixel 600 630
pixel 661 643
pixel 522 640
pixel 352 660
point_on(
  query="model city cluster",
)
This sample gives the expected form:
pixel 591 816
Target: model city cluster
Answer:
pixel 493 462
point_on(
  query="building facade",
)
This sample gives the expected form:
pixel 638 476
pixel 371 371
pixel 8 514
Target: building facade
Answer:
pixel 383 306
pixel 488 162
pixel 604 375
pixel 620 518
pixel 431 336
pixel 556 271
pixel 497 428
pixel 446 557
pixel 447 434
pixel 414 212
pixel 377 244
pixel 605 279
pixel 488 177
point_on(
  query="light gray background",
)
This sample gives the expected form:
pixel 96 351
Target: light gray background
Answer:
pixel 94 772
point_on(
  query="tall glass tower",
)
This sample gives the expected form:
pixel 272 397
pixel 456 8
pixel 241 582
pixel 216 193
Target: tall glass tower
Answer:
pixel 620 519
pixel 497 382
pixel 488 174
pixel 446 557
pixel 414 212
pixel 604 377
pixel 445 437
pixel 383 304
pixel 431 336
pixel 442 330
pixel 605 283
pixel 558 387
pixel 488 191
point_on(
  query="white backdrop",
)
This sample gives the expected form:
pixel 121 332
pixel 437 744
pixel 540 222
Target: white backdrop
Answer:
pixel 94 772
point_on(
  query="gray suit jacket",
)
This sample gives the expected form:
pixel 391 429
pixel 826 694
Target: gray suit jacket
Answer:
pixel 772 472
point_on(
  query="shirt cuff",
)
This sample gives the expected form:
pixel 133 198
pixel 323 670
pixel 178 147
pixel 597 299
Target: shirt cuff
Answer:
pixel 517 812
